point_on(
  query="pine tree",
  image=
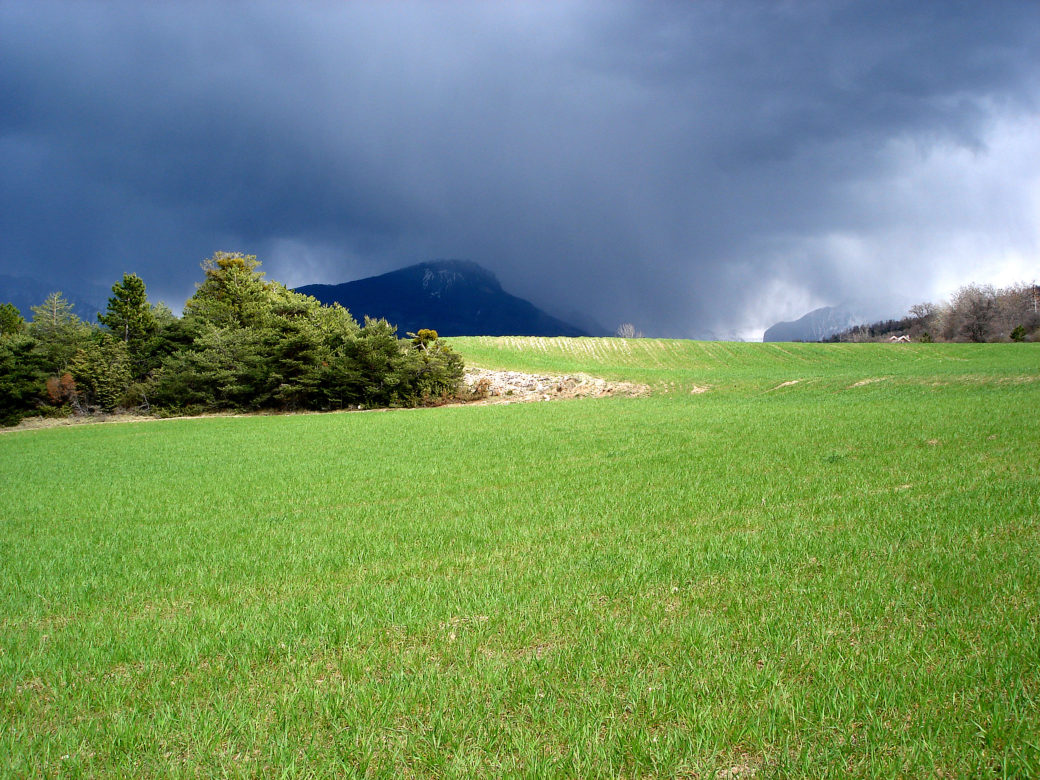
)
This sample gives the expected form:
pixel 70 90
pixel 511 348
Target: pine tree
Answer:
pixel 11 321
pixel 58 331
pixel 234 293
pixel 129 317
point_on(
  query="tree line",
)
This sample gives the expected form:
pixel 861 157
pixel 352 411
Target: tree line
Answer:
pixel 243 343
pixel 975 313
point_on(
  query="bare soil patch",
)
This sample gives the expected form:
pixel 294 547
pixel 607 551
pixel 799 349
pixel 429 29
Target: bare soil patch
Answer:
pixel 36 423
pixel 789 383
pixel 868 381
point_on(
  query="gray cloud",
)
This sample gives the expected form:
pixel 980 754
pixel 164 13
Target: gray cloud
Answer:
pixel 694 168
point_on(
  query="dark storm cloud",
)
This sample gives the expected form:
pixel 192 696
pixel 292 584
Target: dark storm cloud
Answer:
pixel 693 168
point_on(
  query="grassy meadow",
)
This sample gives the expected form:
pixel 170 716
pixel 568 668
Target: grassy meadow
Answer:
pixel 790 560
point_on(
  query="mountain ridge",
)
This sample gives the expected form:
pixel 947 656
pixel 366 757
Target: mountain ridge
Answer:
pixel 453 297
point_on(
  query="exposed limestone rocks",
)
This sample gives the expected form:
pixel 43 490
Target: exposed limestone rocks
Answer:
pixel 510 386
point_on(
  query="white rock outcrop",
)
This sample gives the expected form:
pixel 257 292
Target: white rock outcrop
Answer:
pixel 507 386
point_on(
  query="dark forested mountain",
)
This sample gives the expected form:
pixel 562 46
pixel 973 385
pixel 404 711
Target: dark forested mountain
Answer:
pixel 453 297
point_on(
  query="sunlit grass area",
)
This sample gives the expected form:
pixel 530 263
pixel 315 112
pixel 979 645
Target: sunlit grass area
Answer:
pixel 828 563
pixel 745 367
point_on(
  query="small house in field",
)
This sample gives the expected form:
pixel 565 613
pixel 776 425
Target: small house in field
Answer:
pixel 904 339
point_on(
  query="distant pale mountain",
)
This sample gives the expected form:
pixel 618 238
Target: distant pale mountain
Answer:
pixel 828 320
pixel 25 292
pixel 453 297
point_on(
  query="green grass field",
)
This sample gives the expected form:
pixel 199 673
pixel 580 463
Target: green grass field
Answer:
pixel 827 564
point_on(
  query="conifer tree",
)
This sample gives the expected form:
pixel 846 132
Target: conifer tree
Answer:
pixel 11 320
pixel 58 331
pixel 128 316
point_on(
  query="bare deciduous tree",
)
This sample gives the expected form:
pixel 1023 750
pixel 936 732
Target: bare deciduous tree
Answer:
pixel 924 318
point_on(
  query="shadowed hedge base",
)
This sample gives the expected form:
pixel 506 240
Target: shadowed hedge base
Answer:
pixel 826 564
pixel 244 344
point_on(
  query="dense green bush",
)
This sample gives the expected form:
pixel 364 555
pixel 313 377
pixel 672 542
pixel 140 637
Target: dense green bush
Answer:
pixel 102 373
pixel 244 343
pixel 23 377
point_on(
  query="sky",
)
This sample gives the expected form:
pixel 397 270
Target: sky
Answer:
pixel 699 169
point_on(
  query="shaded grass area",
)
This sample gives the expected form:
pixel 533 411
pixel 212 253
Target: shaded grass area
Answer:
pixel 816 579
